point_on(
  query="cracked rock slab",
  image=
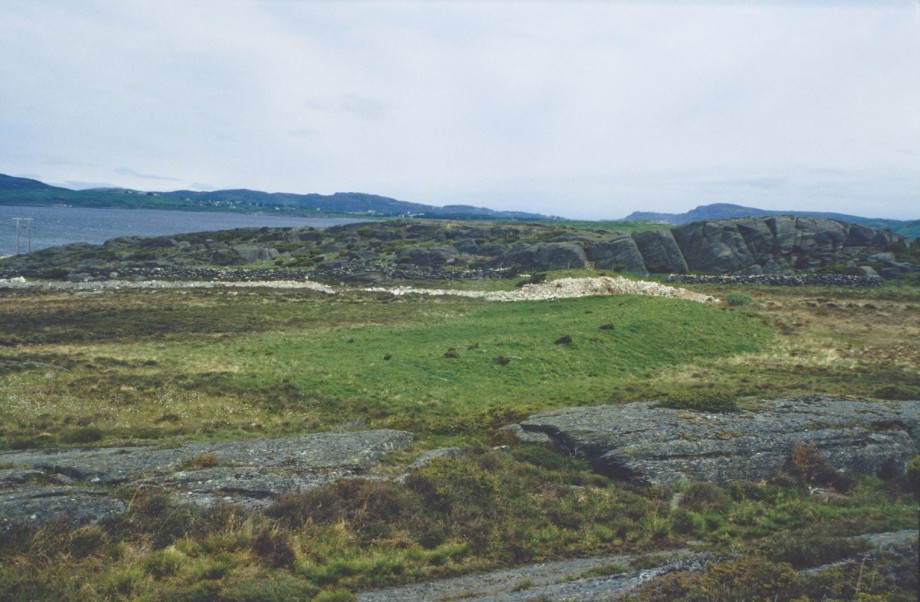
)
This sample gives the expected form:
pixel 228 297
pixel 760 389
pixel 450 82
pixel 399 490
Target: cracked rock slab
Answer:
pixel 39 504
pixel 646 444
pixel 251 472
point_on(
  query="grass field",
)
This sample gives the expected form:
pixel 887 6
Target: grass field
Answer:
pixel 136 365
pixel 183 364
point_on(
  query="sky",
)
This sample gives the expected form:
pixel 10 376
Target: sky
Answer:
pixel 589 109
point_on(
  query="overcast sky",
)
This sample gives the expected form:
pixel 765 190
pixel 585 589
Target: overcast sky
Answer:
pixel 579 109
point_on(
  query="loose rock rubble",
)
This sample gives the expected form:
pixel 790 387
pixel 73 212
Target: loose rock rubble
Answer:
pixel 564 288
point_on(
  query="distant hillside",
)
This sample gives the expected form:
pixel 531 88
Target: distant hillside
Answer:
pixel 11 183
pixel 908 229
pixel 23 191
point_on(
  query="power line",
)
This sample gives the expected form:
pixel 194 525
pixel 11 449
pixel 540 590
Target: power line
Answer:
pixel 28 227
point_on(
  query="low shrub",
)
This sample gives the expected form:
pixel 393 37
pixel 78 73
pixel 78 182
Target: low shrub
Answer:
pixel 735 299
pixel 273 548
pixel 809 465
pixel 803 550
pixel 199 462
pixel 273 587
pixel 897 393
pixel 164 563
pixel 89 434
pixel 705 497
pixel 911 478
pixel 87 541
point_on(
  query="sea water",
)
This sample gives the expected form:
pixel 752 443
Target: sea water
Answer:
pixel 51 226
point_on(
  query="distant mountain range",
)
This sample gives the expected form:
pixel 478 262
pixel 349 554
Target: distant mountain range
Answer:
pixel 908 229
pixel 23 191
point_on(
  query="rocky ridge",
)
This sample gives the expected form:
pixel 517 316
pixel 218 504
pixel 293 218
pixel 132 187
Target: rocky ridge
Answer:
pixel 429 250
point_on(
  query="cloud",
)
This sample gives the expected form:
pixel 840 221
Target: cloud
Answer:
pixel 126 171
pixel 354 104
pixel 582 109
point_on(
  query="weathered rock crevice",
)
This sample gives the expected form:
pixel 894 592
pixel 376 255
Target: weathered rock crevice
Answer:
pixel 647 444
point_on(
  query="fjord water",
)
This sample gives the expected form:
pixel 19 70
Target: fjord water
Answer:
pixel 53 226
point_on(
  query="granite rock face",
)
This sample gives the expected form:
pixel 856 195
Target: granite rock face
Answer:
pixel 660 252
pixel 619 254
pixel 549 255
pixel 713 247
pixel 642 443
pixel 78 482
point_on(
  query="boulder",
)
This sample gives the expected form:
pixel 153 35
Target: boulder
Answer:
pixel 543 256
pixel 818 235
pixel 647 444
pixel 560 255
pixel 783 229
pixel 757 236
pixel 619 254
pixel 660 252
pixel 713 247
pixel 250 253
pixel 430 256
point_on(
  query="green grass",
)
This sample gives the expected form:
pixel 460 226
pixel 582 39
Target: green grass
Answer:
pixel 425 364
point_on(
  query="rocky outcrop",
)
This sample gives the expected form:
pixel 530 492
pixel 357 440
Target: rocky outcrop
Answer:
pixel 620 254
pixel 544 256
pixel 430 256
pixel 249 253
pixel 660 252
pixel 420 250
pixel 776 244
pixel 644 443
pixel 714 247
pixel 41 484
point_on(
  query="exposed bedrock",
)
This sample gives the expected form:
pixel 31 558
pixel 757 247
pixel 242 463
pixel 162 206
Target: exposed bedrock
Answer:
pixel 646 444
pixel 550 255
pixel 40 484
pixel 620 254
pixel 660 252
